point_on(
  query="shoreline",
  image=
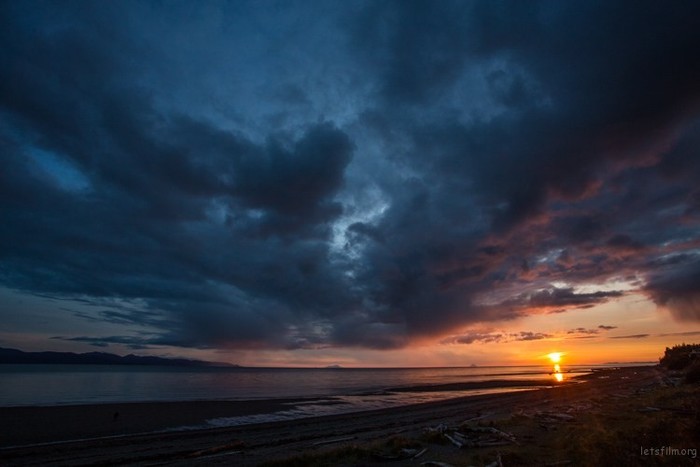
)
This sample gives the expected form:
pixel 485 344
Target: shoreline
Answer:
pixel 266 441
pixel 25 426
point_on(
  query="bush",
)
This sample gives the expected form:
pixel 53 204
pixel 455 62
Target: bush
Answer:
pixel 680 357
pixel 693 374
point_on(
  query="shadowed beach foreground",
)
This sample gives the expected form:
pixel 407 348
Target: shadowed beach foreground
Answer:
pixel 611 416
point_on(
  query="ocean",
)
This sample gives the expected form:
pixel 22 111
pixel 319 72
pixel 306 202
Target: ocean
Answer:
pixel 90 384
pixel 313 391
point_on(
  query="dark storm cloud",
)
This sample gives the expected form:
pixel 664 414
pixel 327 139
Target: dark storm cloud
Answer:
pixel 531 336
pixel 678 290
pixel 567 297
pixel 631 336
pixel 586 333
pixel 592 63
pixel 572 102
pixel 135 343
pixel 624 242
pixel 689 333
pixel 242 177
pixel 500 337
pixel 583 331
pixel 644 336
pixel 221 238
pixel 558 300
pixel 472 337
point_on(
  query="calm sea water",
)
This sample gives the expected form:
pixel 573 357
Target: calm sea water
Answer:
pixel 85 384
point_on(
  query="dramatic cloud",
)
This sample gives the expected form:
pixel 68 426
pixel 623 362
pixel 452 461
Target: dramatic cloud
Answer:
pixel 500 337
pixel 314 174
pixel 689 333
pixel 470 338
pixel 591 331
pixel 567 297
pixel 131 342
pixel 678 289
pixel 583 331
pixel 631 336
pixel 531 336
pixel 586 333
pixel 643 336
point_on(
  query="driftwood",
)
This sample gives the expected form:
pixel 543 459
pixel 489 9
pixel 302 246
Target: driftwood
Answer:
pixel 566 413
pixel 497 463
pixel 221 454
pixel 441 428
pixel 404 453
pixel 423 451
pixel 649 409
pixel 551 418
pixel 495 431
pixel 488 444
pixel 561 416
pixel 477 418
pixel 331 441
pixel 669 409
pixel 474 436
pixel 454 440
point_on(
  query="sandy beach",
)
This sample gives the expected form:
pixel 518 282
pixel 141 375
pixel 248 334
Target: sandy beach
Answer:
pixel 47 435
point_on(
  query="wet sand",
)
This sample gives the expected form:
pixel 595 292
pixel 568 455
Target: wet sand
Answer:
pixel 113 440
pixel 36 425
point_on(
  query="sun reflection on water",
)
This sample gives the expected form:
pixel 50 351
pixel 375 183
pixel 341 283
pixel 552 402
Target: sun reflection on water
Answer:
pixel 555 357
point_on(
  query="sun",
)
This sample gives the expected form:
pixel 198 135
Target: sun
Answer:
pixel 555 357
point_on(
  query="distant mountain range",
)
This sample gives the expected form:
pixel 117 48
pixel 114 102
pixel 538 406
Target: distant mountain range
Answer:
pixel 97 358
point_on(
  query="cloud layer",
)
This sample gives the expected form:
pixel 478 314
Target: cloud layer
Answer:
pixel 249 176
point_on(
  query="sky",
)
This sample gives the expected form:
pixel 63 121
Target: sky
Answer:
pixel 379 183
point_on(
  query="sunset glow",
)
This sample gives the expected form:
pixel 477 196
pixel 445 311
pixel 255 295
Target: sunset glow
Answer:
pixel 555 357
